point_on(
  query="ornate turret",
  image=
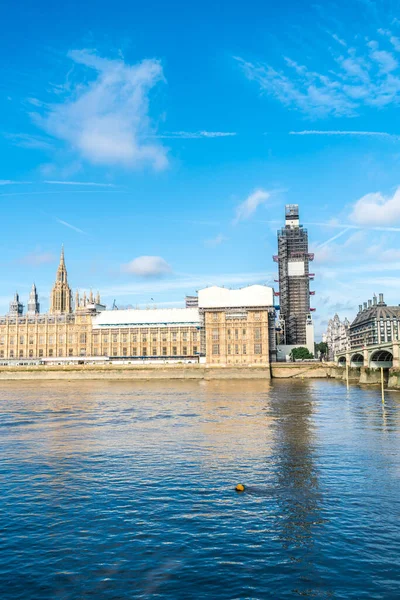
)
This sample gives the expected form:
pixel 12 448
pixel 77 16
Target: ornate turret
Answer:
pixel 33 302
pixel 16 307
pixel 61 295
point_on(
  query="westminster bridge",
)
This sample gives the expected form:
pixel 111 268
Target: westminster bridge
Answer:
pixel 385 355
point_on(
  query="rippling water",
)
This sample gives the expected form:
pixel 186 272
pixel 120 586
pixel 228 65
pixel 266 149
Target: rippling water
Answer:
pixel 121 490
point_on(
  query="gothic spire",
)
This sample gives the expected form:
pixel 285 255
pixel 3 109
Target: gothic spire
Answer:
pixel 61 295
pixel 62 261
pixel 33 302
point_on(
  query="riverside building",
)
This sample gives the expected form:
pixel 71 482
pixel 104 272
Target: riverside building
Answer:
pixel 221 327
pixel 376 323
pixel 239 325
pixel 337 336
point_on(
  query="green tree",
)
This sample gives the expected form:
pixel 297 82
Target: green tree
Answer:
pixel 322 347
pixel 301 353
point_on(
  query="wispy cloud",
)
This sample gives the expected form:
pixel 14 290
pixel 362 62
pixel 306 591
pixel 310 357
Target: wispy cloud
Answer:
pixel 147 266
pixel 217 241
pixel 64 192
pixel 356 76
pixel 37 258
pixel 351 226
pixel 84 183
pixel 13 182
pixel 383 134
pixel 333 238
pixel 249 206
pixel 34 142
pixel 106 121
pixel 187 283
pixel 70 226
pixel 195 135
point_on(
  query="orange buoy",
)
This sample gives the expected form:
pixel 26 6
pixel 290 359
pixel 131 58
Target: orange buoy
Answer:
pixel 239 487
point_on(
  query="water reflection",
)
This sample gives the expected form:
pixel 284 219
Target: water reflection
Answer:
pixel 297 479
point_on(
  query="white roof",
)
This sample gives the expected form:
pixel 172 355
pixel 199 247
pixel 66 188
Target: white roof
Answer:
pixel 147 317
pixel 249 296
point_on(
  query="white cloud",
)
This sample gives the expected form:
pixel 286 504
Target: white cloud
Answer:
pixel 336 223
pixel 12 182
pixel 331 239
pixel 219 239
pixel 389 255
pixel 361 76
pixel 89 183
pixel 377 209
pixel 383 134
pixel 247 208
pixel 147 266
pixel 186 283
pixel 25 140
pixel 106 121
pixel 194 135
pixel 70 226
pixel 37 258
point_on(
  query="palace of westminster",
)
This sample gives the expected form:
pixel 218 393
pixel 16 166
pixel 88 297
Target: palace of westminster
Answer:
pixel 219 326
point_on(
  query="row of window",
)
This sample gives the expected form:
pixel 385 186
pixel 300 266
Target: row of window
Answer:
pixel 105 338
pixel 41 339
pixel 144 352
pixel 235 349
pixel 215 316
pixel 41 354
pixel 96 352
pixel 235 334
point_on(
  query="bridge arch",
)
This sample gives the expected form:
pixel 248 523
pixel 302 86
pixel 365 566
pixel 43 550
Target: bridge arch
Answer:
pixel 357 360
pixel 342 361
pixel 381 358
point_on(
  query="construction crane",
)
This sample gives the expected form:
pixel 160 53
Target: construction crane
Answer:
pixel 114 306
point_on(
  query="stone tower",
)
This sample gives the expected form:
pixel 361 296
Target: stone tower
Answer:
pixel 16 307
pixel 294 279
pixel 61 295
pixel 33 302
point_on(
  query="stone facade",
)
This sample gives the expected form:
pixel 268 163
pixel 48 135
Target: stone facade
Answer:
pixel 237 337
pixel 337 336
pixel 59 333
pixel 375 323
pixel 47 335
pixel 236 329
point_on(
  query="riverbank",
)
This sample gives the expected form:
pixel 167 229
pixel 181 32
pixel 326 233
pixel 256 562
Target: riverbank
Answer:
pixel 130 372
pixel 298 370
pixel 360 375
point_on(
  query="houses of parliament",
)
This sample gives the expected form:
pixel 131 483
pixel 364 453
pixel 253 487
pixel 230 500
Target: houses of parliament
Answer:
pixel 64 331
pixel 219 326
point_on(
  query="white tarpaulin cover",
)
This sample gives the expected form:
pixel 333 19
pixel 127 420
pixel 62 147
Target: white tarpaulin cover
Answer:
pixel 295 268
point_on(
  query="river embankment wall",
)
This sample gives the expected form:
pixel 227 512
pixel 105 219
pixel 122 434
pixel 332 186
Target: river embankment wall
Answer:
pixel 128 372
pixel 358 375
pixel 297 370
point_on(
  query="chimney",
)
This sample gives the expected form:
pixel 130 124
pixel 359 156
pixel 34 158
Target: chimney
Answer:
pixel 369 303
pixel 365 306
pixel 374 299
pixel 360 308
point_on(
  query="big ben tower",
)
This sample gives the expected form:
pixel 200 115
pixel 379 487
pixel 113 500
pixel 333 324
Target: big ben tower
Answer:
pixel 61 295
pixel 294 280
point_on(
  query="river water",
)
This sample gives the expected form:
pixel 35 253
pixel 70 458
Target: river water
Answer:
pixel 122 490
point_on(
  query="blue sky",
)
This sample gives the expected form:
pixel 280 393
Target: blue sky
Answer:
pixel 160 142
